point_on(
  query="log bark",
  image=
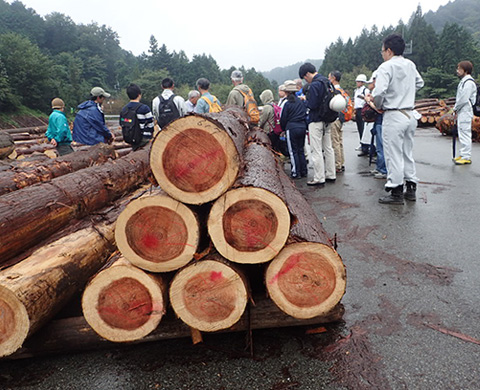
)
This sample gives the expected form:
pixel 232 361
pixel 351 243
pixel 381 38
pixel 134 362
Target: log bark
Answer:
pixel 197 158
pixel 307 278
pixel 123 303
pixel 35 289
pixel 208 295
pixel 157 233
pixel 31 214
pixel 250 223
pixel 29 173
pixel 74 334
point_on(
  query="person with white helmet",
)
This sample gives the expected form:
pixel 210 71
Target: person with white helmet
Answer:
pixel 359 102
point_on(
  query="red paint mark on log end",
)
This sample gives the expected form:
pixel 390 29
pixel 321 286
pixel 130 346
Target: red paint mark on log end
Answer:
pixel 287 267
pixel 150 241
pixel 216 276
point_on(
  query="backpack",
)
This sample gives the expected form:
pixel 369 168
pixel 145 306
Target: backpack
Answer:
pixel 347 114
pixel 250 106
pixel 212 106
pixel 131 131
pixel 369 114
pixel 167 111
pixel 476 105
pixel 326 114
pixel 277 112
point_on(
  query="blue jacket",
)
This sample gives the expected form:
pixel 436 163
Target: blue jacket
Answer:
pixel 315 96
pixel 294 115
pixel 89 125
pixel 58 128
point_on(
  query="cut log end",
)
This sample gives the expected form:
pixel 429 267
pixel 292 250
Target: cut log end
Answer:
pixel 157 233
pixel 123 303
pixel 14 322
pixel 208 295
pixel 194 159
pixel 306 279
pixel 249 225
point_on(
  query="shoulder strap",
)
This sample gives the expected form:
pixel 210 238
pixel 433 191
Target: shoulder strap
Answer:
pixel 207 100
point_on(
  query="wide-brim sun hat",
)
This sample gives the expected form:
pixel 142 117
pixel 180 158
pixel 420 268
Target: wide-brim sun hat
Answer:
pixel 290 86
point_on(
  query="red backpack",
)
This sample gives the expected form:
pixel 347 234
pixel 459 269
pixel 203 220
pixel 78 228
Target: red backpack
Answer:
pixel 277 112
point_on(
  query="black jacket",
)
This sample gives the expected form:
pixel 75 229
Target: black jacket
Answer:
pixel 294 114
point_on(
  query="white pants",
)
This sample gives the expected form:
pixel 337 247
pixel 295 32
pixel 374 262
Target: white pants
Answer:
pixel 398 130
pixel 321 143
pixel 464 125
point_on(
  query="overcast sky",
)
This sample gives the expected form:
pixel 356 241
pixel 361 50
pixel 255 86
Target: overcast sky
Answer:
pixel 253 33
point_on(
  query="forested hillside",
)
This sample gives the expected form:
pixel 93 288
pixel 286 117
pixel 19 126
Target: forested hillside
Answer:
pixel 436 54
pixel 41 58
pixel 280 74
pixel 465 13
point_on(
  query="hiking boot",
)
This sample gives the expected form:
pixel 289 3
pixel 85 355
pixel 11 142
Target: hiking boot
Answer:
pixel 462 161
pixel 395 197
pixel 410 191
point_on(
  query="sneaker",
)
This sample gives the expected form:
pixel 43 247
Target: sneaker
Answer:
pixel 359 148
pixel 462 161
pixel 374 172
pixel 380 175
pixel 362 154
pixel 457 158
pixel 330 180
pixel 315 183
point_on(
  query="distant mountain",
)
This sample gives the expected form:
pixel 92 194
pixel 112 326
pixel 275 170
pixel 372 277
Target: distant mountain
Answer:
pixel 280 74
pixel 465 13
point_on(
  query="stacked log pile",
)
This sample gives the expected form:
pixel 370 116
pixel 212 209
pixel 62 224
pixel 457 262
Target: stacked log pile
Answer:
pixel 439 113
pixel 226 229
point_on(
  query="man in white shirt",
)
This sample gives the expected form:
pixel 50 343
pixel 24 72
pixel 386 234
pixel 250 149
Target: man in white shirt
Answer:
pixel 192 99
pixel 466 96
pixel 396 84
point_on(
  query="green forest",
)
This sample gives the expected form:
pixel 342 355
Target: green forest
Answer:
pixel 45 57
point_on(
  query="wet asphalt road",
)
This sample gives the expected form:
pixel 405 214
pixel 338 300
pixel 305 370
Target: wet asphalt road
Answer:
pixel 412 316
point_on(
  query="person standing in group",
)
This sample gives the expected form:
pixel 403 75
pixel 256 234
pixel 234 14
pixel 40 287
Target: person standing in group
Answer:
pixel 282 95
pixel 359 101
pixel 319 130
pixel 380 171
pixel 58 132
pixel 294 124
pixel 466 96
pixel 207 102
pixel 168 106
pixel 89 125
pixel 192 99
pixel 395 86
pixel 242 96
pixel 143 115
pixel 337 126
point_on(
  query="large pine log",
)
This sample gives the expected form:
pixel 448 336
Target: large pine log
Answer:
pixel 29 173
pixel 157 233
pixel 35 289
pixel 307 278
pixel 209 295
pixel 123 303
pixel 197 158
pixel 31 214
pixel 251 223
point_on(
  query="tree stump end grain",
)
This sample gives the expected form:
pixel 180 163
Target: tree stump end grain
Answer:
pixel 208 295
pixel 14 322
pixel 249 225
pixel 194 159
pixel 157 233
pixel 306 279
pixel 123 303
